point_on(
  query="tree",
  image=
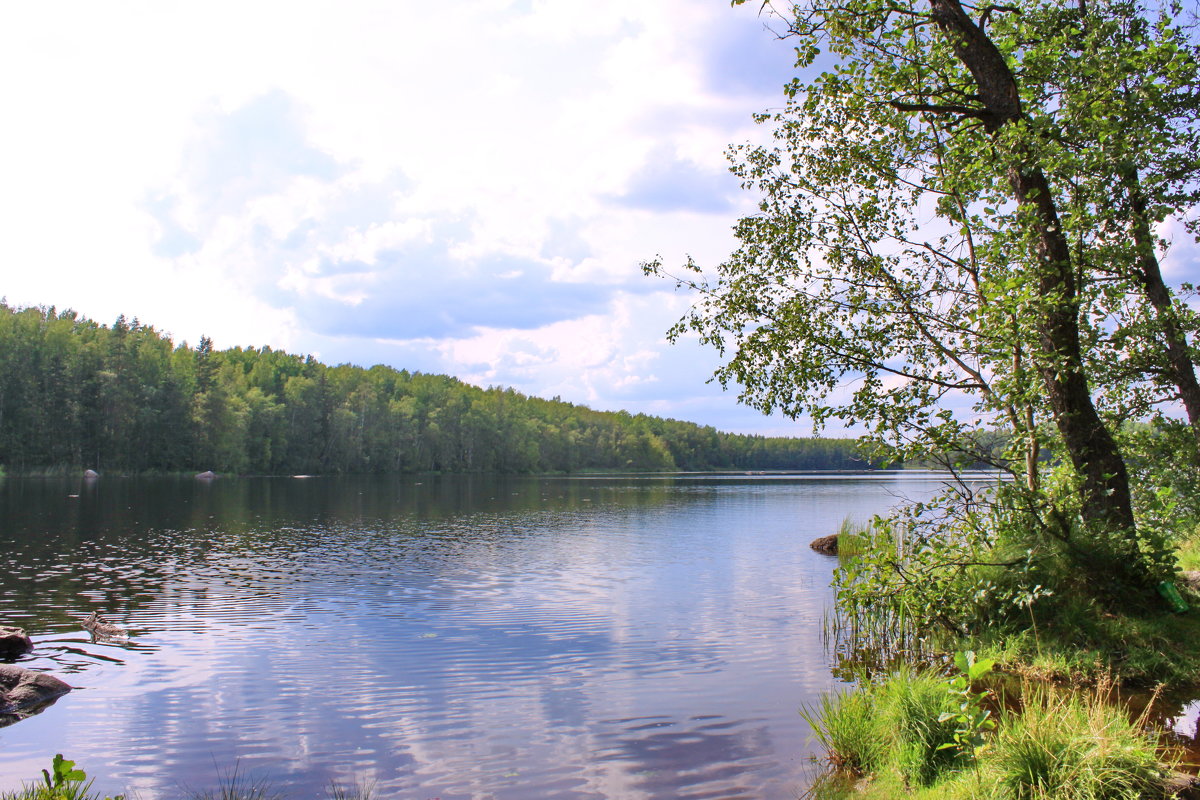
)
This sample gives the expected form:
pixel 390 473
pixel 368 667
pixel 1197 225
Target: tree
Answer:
pixel 940 245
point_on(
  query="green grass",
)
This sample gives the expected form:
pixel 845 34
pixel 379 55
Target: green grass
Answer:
pixel 1188 552
pixel 1078 641
pixel 854 538
pixel 238 785
pixel 852 734
pixel 63 781
pixel 896 723
pixel 884 742
pixel 1066 745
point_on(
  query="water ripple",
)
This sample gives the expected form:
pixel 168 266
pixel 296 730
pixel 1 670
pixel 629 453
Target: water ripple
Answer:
pixel 454 638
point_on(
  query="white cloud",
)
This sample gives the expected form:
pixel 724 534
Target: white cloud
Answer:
pixel 469 186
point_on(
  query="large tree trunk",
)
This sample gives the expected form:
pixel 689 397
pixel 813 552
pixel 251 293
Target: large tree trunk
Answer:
pixel 1180 368
pixel 1104 486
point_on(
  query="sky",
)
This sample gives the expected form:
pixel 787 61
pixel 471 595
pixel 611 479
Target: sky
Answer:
pixel 465 188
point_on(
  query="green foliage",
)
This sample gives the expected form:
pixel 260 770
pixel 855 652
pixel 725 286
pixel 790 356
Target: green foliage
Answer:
pixel 1076 641
pixel 853 539
pixel 953 248
pixel 61 782
pixel 1189 550
pixel 932 577
pixel 971 719
pixel 75 395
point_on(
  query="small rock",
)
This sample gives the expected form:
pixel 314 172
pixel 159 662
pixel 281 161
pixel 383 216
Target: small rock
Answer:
pixel 207 475
pixel 826 545
pixel 91 473
pixel 13 642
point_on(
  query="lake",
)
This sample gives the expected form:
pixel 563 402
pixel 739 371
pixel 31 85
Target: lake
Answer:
pixel 450 637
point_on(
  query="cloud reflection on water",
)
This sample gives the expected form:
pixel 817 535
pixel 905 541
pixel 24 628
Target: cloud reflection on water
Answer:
pixel 462 639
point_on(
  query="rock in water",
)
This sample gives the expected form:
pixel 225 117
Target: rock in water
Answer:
pixel 207 475
pixel 13 642
pixel 24 692
pixel 91 473
pixel 827 545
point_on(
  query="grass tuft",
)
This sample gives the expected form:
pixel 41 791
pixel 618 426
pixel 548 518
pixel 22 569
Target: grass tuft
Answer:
pixel 854 538
pixel 1073 746
pixel 1061 744
pixel 354 791
pixel 237 785
pixel 848 728
pixel 899 722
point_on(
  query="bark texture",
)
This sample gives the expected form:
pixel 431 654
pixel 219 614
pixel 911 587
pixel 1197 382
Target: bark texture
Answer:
pixel 1093 452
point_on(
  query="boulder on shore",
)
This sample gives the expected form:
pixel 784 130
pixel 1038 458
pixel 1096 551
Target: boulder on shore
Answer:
pixel 91 473
pixel 207 475
pixel 13 642
pixel 24 692
pixel 826 545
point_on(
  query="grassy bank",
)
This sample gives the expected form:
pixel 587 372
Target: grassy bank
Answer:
pixel 1057 728
pixel 906 736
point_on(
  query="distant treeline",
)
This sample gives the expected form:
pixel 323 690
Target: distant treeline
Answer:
pixel 75 394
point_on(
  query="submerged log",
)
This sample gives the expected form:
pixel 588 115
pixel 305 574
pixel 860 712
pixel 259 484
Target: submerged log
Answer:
pixel 826 545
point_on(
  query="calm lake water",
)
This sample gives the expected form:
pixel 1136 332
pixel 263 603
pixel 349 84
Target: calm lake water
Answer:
pixel 454 637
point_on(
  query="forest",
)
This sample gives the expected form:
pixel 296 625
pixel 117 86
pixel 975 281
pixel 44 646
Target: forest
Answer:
pixel 76 394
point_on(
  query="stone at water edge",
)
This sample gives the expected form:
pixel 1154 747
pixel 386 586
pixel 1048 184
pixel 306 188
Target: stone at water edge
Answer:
pixel 13 641
pixel 826 545
pixel 23 689
pixel 206 475
pixel 91 473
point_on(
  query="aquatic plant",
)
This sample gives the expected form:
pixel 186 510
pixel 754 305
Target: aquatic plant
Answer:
pixel 853 538
pixel 63 781
pixel 238 785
